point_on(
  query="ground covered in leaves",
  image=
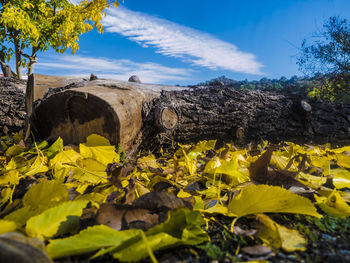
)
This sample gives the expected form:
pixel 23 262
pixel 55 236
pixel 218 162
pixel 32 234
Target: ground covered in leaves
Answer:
pixel 199 203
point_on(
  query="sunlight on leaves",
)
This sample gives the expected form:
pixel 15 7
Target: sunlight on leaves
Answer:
pixel 255 199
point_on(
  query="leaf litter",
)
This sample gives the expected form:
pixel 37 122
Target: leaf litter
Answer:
pixel 86 201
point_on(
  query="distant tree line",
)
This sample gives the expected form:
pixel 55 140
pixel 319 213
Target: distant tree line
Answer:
pixel 295 84
pixel 325 61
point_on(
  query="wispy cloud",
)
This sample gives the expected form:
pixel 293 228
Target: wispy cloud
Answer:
pixel 176 40
pixel 112 68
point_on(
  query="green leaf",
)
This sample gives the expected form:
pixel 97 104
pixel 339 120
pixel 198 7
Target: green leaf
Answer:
pixel 183 227
pixel 58 220
pixel 257 199
pixel 89 240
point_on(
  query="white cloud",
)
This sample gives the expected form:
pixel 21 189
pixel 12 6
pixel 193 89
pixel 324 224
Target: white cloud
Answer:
pixel 179 41
pixel 120 69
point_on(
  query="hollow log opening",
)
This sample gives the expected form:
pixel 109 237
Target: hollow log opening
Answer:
pixel 74 116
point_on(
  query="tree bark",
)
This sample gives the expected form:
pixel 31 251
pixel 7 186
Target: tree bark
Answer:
pixel 242 116
pixel 141 116
pixel 6 70
pixel 18 52
pixel 12 114
pixel 107 107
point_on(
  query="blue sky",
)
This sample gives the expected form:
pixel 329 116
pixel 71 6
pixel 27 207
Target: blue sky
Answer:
pixel 190 41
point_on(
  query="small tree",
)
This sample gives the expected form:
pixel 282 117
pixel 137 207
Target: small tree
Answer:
pixel 30 26
pixel 329 54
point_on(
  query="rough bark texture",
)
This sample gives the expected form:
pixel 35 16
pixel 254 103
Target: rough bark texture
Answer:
pixel 144 116
pixel 6 70
pixel 242 117
pixel 12 114
pixel 110 108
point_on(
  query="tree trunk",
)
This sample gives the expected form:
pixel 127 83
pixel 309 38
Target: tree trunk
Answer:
pixel 107 107
pixel 6 70
pixel 140 116
pixel 242 116
pixel 29 100
pixel 18 59
pixel 12 112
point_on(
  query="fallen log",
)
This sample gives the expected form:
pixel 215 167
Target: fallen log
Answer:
pixel 144 116
pixel 110 108
pixel 242 116
pixel 12 101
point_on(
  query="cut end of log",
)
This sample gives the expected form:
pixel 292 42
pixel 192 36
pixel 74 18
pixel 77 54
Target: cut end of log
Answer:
pixel 74 116
pixel 169 118
pixel 305 106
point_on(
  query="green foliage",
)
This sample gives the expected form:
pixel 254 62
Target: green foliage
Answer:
pixel 335 88
pixel 329 54
pixel 183 227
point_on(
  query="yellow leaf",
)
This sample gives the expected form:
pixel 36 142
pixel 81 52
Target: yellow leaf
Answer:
pixel 103 154
pixel 18 163
pixel 256 199
pixel 341 178
pixel 45 194
pixel 89 170
pixel 343 160
pixel 183 194
pixel 14 150
pixel 277 236
pixel 218 209
pixel 229 168
pixel 96 140
pixel 311 180
pixel 321 162
pixel 7 226
pixel 20 216
pixel 148 161
pixel 203 146
pixel 61 219
pixel 39 166
pixel 6 194
pixel 64 159
pixel 9 178
pixel 334 204
pixel 95 197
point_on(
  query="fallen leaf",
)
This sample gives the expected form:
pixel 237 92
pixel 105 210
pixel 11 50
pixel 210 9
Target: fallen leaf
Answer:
pixel 277 236
pixel 58 220
pixel 256 199
pixel 334 204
